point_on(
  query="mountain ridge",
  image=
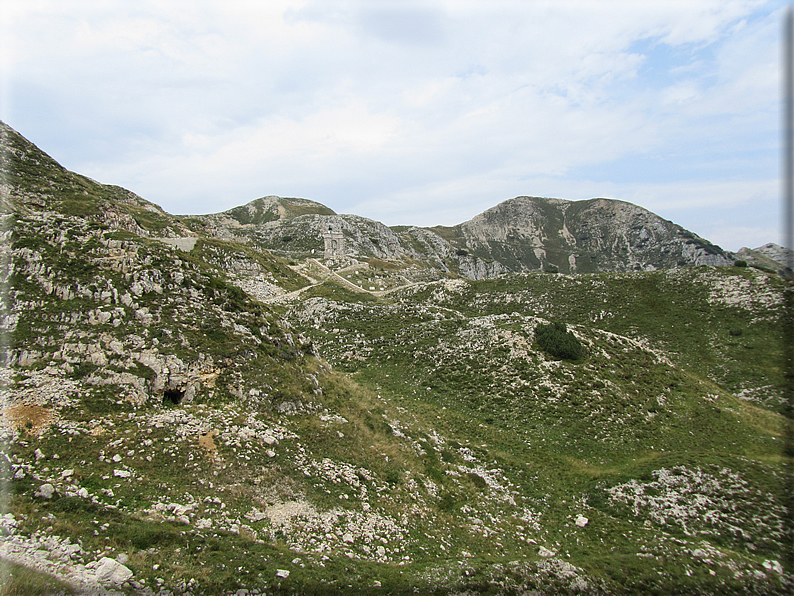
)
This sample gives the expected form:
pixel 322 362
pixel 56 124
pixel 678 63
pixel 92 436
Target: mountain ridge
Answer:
pixel 519 234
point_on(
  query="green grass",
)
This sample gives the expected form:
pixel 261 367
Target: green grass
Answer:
pixel 670 310
pixel 150 220
pixel 619 415
pixel 16 580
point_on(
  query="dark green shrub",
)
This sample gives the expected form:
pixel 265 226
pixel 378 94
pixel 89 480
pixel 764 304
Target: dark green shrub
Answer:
pixel 740 264
pixel 448 503
pixel 82 370
pixel 74 505
pixel 435 474
pixel 392 477
pixel 477 480
pixel 462 252
pixel 144 534
pixel 557 341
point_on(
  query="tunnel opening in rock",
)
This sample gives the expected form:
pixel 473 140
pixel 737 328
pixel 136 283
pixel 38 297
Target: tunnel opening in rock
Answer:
pixel 173 397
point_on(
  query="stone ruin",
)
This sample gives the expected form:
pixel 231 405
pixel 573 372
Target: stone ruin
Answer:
pixel 334 244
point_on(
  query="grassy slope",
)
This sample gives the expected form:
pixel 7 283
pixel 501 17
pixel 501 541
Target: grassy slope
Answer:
pixel 38 182
pixel 624 415
pixel 354 464
pixel 16 580
pixel 465 466
pixel 719 324
pixel 446 439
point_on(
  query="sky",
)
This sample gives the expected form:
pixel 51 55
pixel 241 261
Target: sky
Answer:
pixel 410 112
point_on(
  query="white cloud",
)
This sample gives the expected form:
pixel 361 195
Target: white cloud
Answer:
pixel 407 110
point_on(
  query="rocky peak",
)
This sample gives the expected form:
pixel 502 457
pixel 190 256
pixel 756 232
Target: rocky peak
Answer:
pixel 529 233
pixel 771 256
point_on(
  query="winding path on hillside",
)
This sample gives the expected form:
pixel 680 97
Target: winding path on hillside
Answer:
pixel 336 277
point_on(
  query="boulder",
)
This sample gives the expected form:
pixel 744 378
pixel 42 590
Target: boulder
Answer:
pixel 110 571
pixel 45 490
pixel 773 565
pixel 545 553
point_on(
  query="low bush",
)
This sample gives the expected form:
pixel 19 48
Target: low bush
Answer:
pixel 557 341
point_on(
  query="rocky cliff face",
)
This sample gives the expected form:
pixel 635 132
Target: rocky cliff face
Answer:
pixel 521 234
pixel 771 255
pixel 529 233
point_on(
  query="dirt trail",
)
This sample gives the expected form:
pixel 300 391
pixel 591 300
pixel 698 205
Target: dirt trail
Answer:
pixel 328 274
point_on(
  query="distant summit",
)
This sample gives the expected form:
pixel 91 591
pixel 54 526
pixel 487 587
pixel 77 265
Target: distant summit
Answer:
pixel 520 234
pixel 770 255
pixel 529 233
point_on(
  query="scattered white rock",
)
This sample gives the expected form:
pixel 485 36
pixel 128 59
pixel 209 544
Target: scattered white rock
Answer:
pixel 545 553
pixel 581 521
pixel 121 473
pixel 282 573
pixel 773 565
pixel 45 490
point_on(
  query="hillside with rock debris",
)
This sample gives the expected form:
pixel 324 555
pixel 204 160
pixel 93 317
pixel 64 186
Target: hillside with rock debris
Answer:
pixel 518 235
pixel 187 412
pixel 770 256
pixel 530 233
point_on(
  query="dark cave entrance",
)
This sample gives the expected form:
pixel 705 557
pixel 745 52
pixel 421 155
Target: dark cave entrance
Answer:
pixel 173 397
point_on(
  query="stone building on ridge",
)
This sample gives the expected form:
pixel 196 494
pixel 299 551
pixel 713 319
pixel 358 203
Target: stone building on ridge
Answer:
pixel 334 244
